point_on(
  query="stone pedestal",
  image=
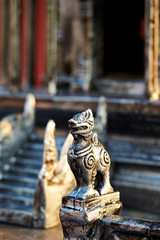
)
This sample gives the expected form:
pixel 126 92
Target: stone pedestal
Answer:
pixel 79 215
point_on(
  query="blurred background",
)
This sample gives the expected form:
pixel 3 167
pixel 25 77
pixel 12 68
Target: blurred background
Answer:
pixel 68 53
pixel 79 45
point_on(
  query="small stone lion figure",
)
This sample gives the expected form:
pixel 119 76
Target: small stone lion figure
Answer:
pixel 88 159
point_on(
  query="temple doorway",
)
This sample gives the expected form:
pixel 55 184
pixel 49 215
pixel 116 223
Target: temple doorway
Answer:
pixel 123 38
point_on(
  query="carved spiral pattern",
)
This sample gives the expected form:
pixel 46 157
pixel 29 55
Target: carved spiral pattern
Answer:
pixel 89 161
pixel 104 158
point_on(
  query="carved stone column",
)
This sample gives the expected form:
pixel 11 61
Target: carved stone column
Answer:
pixel 152 49
pixel 75 37
pixel 93 196
pixel 52 46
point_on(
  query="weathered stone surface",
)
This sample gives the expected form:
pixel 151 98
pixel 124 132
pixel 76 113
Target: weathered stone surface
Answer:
pixel 124 228
pixel 79 215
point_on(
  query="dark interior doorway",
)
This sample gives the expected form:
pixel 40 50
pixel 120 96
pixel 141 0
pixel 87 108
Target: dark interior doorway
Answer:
pixel 123 38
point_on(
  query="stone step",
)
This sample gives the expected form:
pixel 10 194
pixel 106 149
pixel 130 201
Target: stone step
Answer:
pixel 136 155
pixel 36 138
pixel 27 172
pixel 34 147
pixel 134 161
pixel 19 180
pixel 23 153
pixel 28 163
pixel 140 185
pixel 11 206
pixel 136 167
pixel 139 197
pixel 24 191
pixel 14 198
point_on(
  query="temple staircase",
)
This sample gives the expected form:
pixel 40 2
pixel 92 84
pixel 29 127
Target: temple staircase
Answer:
pixel 18 181
pixel 136 174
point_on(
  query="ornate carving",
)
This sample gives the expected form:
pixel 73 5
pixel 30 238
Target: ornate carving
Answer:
pixel 29 107
pixel 104 158
pixel 55 180
pixel 50 154
pixel 88 159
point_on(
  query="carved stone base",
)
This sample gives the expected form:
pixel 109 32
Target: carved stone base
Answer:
pixel 78 215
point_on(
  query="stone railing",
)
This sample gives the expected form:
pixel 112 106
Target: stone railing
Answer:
pixel 14 131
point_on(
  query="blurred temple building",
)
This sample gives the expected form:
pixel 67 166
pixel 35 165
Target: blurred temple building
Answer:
pixel 103 46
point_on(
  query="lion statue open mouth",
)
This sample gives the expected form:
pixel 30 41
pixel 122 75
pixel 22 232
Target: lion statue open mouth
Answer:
pixel 82 123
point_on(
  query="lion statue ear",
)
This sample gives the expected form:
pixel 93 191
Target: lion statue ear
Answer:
pixel 95 138
pixel 90 114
